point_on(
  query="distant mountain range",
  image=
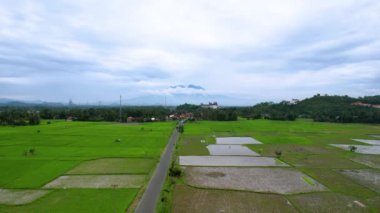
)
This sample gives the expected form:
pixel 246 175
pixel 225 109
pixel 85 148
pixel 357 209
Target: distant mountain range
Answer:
pixel 12 102
pixel 148 100
pixel 177 99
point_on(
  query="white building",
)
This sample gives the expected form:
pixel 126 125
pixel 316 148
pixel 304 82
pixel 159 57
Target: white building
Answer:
pixel 210 105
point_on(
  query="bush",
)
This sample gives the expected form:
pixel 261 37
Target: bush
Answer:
pixel 353 148
pixel 175 171
pixel 278 153
pixel 32 151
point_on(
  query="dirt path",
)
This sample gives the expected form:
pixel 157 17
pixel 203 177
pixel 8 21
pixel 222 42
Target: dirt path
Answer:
pixel 152 193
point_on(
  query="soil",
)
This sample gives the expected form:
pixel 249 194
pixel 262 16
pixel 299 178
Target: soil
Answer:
pixel 97 181
pixel 188 200
pixel 375 150
pixel 18 197
pixel 366 177
pixel 273 180
pixel 236 141
pixel 230 150
pixel 239 161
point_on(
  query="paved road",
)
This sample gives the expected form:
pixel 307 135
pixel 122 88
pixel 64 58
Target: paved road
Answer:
pixel 152 193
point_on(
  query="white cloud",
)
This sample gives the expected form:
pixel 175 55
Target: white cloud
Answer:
pixel 242 48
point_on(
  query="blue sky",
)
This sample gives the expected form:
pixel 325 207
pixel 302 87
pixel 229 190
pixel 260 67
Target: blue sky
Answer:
pixel 238 52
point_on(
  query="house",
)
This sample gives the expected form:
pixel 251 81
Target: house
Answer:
pixel 359 103
pixel 210 105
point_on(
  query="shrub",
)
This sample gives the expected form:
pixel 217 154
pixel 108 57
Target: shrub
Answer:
pixel 278 153
pixel 32 151
pixel 353 148
pixel 175 171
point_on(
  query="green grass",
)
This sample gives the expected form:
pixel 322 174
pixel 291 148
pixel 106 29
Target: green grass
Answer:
pixel 61 146
pixel 308 180
pixel 79 200
pixel 115 166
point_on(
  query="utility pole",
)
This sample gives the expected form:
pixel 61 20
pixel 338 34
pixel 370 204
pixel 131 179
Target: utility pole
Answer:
pixel 165 101
pixel 120 110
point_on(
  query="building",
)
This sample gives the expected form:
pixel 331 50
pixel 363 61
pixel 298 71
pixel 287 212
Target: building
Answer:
pixel 210 105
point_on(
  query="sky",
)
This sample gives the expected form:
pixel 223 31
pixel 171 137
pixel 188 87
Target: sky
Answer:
pixel 235 52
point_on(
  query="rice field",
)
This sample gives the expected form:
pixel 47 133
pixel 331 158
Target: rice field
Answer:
pixel 77 166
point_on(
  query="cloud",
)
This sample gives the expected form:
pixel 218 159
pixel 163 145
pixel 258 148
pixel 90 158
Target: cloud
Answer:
pixel 253 50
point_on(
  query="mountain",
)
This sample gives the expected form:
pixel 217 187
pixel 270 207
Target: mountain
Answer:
pixel 178 98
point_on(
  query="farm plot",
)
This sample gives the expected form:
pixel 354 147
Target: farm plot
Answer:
pixel 230 150
pixel 72 155
pixel 238 161
pixel 78 200
pixel 375 150
pixel 328 202
pixel 368 160
pixel 274 180
pixel 97 181
pixel 236 140
pixel 315 183
pixel 366 177
pixel 115 166
pixel 370 142
pixel 189 200
pixel 18 197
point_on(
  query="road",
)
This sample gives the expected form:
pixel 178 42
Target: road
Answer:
pixel 152 193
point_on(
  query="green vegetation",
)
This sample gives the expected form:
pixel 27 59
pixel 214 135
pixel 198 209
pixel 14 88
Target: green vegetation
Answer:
pixel 61 147
pixel 308 180
pixel 115 166
pixel 19 117
pixel 320 108
pixel 79 200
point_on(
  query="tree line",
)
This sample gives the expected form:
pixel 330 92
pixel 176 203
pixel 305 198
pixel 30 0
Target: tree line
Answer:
pixel 19 117
pixel 323 108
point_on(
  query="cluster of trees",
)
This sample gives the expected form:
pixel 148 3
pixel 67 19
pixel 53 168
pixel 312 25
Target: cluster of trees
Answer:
pixel 199 113
pixel 140 114
pixel 19 117
pixel 319 108
pixel 32 115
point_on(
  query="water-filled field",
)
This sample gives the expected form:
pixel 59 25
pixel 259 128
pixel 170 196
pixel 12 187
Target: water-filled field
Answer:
pixel 319 176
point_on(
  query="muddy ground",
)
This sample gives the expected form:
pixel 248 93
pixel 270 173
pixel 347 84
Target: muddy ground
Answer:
pixel 18 197
pixel 230 150
pixel 229 161
pixel 274 180
pixel 236 140
pixel 97 181
pixel 366 177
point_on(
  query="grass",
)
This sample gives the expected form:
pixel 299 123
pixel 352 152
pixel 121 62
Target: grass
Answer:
pixel 308 180
pixel 115 166
pixel 61 146
pixel 304 145
pixel 79 200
